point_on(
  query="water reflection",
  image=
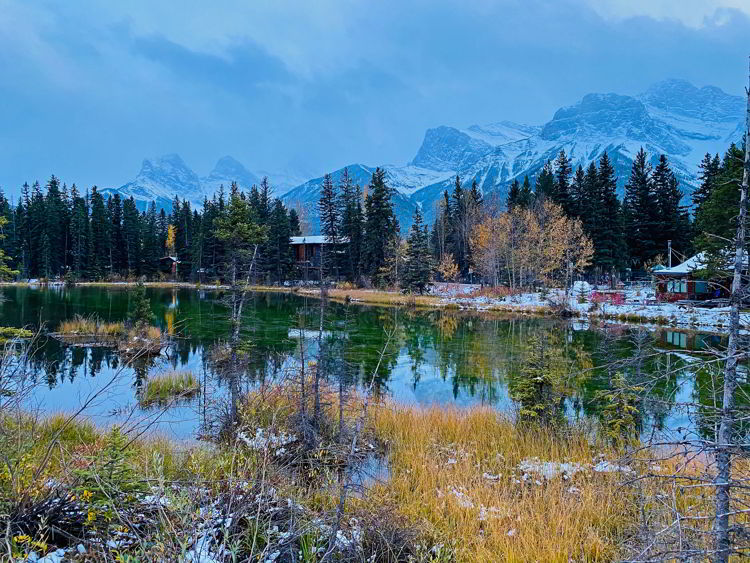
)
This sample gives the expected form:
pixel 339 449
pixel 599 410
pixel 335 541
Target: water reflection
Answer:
pixel 433 357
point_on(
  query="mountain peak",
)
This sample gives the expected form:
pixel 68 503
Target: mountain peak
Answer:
pixel 681 97
pixel 227 170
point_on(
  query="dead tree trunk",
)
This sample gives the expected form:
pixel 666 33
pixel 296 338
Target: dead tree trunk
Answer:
pixel 724 438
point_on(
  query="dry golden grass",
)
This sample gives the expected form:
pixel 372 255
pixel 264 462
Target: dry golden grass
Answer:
pixel 80 326
pixel 438 452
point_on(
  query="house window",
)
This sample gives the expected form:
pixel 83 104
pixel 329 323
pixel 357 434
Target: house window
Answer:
pixel 677 286
pixel 701 287
pixel 677 339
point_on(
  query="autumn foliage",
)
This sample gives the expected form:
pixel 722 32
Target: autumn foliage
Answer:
pixel 532 246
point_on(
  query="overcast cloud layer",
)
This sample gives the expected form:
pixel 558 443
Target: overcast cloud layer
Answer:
pixel 89 88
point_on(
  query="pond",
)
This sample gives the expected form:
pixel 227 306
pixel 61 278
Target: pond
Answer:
pixel 432 357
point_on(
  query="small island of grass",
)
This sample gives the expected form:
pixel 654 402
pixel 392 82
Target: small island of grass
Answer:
pixel 169 386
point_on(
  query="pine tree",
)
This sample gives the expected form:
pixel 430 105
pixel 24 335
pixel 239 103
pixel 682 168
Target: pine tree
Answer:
pixel 131 232
pixel 279 233
pixel 117 244
pixel 640 208
pixel 418 263
pixel 351 225
pixel 514 195
pixel 526 196
pixel 100 232
pixel 328 208
pixel 709 170
pixel 294 224
pixel 579 203
pixel 561 194
pixel 545 183
pixel 55 223
pixel 715 219
pixel 380 222
pixel 79 235
pixel 671 222
pixel 609 244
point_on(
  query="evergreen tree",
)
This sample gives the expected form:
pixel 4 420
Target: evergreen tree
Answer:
pixel 328 207
pixel 561 193
pixel 671 222
pixel 117 260
pixel 640 209
pixel 418 263
pixel 294 225
pixel 279 234
pixel 609 244
pixel 514 195
pixel 54 226
pixel 380 222
pixel 100 233
pixel 716 217
pixel 79 235
pixel 545 183
pixel 579 203
pixel 526 196
pixel 131 233
pixel 151 247
pixel 709 170
pixel 351 225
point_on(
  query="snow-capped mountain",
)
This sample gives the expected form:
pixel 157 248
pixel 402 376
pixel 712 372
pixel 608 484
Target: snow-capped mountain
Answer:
pixel 159 180
pixel 226 171
pixel 672 117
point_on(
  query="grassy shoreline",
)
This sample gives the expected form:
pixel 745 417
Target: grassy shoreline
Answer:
pixel 454 485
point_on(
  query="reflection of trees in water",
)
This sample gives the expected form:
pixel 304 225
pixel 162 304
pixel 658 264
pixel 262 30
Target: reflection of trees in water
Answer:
pixel 476 355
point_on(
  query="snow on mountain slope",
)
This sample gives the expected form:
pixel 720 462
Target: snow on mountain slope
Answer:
pixel 226 171
pixel 672 117
pixel 159 180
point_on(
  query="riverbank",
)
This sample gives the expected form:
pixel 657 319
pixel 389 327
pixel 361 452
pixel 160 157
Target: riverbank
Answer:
pixel 633 306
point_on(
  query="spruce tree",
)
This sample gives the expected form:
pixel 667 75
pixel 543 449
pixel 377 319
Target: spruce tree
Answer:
pixel 561 193
pixel 609 243
pixel 328 208
pixel 279 234
pixel 526 196
pixel 545 183
pixel 671 222
pixel 380 225
pixel 640 212
pixel 514 195
pixel 418 263
pixel 351 225
pixel 100 233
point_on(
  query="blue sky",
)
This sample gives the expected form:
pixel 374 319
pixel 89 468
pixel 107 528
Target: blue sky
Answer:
pixel 90 88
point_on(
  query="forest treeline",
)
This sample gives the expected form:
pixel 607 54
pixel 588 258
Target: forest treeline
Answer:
pixel 569 222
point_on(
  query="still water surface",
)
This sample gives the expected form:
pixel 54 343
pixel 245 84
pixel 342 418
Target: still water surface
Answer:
pixel 434 357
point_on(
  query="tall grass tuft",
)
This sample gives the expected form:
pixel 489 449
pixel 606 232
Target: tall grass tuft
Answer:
pixel 90 326
pixel 169 386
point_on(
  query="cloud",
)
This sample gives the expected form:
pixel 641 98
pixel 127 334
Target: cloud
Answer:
pixel 89 88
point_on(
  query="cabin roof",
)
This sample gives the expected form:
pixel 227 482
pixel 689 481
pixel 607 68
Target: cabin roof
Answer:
pixel 698 262
pixel 316 239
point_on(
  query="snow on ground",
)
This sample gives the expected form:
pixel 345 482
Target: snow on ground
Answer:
pixel 638 305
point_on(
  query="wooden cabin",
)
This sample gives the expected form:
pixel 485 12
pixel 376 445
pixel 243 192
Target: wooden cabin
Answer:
pixel 308 252
pixel 681 282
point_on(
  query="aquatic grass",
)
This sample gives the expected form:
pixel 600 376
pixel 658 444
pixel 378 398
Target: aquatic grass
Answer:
pixel 457 471
pixel 169 386
pixel 90 326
